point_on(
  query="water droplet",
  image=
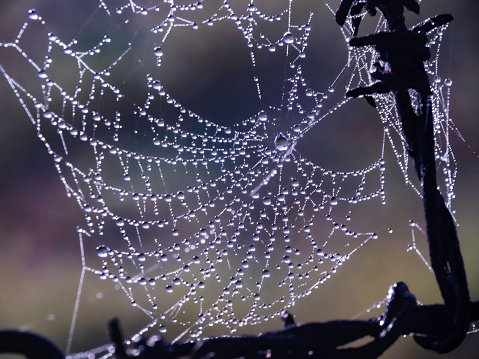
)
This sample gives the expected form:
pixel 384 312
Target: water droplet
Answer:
pixel 169 289
pixel 120 222
pixel 156 85
pixel 266 201
pixel 448 82
pixel 333 201
pixel 158 51
pixel 288 38
pixel 101 251
pixel 262 116
pixel 281 142
pixel 32 14
pixel 42 74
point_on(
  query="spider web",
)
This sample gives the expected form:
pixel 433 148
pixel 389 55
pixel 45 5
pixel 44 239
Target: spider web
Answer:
pixel 207 224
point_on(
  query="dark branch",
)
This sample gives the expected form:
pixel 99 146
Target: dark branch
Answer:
pixel 31 345
pixel 405 51
pixel 327 339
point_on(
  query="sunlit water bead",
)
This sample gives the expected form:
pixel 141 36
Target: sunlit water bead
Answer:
pixel 101 251
pixel 288 38
pixel 281 142
pixel 33 15
pixel 158 51
pixel 448 82
pixel 262 116
pixel 42 74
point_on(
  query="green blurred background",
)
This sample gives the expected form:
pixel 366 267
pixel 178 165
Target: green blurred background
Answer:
pixel 40 261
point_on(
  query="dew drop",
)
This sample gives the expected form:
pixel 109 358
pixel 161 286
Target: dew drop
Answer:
pixel 262 116
pixel 281 142
pixel 448 82
pixel 156 85
pixel 288 38
pixel 101 251
pixel 42 74
pixel 169 289
pixel 158 51
pixel 33 15
pixel 333 201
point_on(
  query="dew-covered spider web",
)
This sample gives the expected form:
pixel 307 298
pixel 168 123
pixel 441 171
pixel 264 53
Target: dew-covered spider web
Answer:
pixel 210 215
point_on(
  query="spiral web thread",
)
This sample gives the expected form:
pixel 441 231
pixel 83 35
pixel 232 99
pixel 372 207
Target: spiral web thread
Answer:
pixel 202 224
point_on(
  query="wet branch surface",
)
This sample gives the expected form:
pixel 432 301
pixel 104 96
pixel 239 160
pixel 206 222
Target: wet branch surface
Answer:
pixel 438 327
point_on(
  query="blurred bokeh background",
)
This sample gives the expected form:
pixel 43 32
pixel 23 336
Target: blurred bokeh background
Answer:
pixel 40 262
